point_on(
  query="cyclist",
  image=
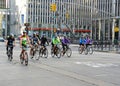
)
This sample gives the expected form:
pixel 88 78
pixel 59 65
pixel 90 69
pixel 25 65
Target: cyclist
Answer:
pixel 55 42
pixel 24 39
pixel 44 40
pixel 87 41
pixel 34 42
pixel 65 42
pixel 37 34
pixel 82 42
pixel 10 41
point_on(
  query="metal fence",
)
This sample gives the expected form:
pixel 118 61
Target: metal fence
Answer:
pixel 106 46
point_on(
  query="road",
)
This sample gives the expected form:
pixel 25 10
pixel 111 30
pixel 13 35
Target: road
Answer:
pixel 99 69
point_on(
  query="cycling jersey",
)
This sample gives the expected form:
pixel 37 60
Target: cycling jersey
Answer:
pixel 34 40
pixel 82 41
pixel 24 40
pixel 87 41
pixel 43 41
pixel 10 41
pixel 65 41
pixel 55 41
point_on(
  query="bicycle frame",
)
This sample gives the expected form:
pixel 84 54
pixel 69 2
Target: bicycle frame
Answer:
pixel 83 49
pixel 24 56
pixel 56 51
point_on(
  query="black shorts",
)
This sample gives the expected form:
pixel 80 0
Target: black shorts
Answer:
pixel 81 44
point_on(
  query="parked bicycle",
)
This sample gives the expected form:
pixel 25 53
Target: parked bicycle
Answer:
pixel 67 51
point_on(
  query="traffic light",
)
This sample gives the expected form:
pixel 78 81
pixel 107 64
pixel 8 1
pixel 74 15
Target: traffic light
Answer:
pixel 67 15
pixel 54 30
pixel 53 7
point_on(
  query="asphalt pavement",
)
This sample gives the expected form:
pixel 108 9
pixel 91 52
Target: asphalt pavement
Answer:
pixel 98 69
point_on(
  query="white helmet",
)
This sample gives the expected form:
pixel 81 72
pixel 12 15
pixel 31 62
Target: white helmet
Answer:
pixel 24 31
pixel 11 34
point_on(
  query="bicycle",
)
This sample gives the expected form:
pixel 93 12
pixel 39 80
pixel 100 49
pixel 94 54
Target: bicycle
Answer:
pixel 43 52
pixel 24 56
pixel 56 52
pixel 90 49
pixel 67 51
pixel 82 49
pixel 9 53
pixel 35 51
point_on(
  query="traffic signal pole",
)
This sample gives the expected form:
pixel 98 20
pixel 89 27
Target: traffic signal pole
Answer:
pixel 53 9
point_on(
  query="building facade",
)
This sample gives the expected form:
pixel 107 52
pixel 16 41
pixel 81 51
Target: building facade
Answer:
pixel 4 17
pixel 2 6
pixel 98 16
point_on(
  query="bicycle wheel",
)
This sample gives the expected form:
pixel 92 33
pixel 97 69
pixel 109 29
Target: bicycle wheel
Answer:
pixel 45 53
pixel 40 53
pixel 69 52
pixel 37 56
pixel 90 50
pixel 52 53
pixel 9 55
pixel 86 51
pixel 21 59
pixel 26 58
pixel 58 53
pixel 32 54
pixel 80 50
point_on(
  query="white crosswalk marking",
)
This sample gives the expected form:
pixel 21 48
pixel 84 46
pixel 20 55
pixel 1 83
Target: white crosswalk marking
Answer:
pixel 96 65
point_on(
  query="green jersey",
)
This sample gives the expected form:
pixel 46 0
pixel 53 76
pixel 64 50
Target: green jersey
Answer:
pixel 55 41
pixel 24 40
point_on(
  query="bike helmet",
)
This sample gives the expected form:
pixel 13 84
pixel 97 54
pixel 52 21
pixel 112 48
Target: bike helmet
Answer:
pixel 43 35
pixel 34 33
pixel 24 31
pixel 11 34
